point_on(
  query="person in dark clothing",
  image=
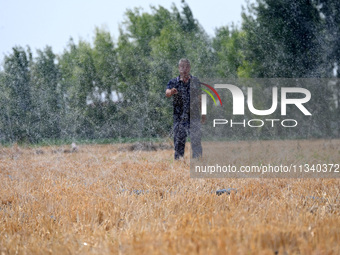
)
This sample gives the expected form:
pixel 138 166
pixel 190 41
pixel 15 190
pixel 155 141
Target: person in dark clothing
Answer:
pixel 185 90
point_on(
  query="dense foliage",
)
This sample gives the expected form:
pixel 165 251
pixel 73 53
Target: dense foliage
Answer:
pixel 116 89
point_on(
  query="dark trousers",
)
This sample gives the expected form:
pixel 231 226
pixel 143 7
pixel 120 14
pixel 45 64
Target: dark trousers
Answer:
pixel 181 131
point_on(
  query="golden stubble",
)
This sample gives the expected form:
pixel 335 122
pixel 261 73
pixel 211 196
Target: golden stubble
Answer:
pixel 104 200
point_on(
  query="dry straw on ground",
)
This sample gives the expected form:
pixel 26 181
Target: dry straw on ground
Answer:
pixel 100 199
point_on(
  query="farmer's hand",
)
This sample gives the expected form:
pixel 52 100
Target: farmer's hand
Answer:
pixel 170 92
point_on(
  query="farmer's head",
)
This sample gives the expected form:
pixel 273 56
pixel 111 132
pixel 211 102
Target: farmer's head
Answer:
pixel 184 67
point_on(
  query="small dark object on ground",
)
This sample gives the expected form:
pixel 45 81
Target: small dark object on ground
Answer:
pixel 39 152
pixel 228 191
pixel 135 191
pixel 138 192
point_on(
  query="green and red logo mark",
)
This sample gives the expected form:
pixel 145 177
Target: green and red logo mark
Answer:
pixel 239 103
pixel 213 90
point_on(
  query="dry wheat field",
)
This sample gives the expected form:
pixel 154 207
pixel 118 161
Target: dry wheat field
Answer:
pixel 116 199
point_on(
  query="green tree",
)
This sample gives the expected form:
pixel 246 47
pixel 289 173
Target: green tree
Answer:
pixel 228 46
pixel 138 79
pixel 80 83
pixel 4 128
pixel 330 13
pixel 46 94
pixel 148 52
pixel 282 38
pixel 17 88
pixel 108 70
pixel 294 39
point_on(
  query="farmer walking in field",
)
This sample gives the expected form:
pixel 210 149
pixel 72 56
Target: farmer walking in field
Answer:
pixel 185 90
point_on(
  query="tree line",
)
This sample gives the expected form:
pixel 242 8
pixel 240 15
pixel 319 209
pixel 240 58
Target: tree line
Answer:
pixel 114 89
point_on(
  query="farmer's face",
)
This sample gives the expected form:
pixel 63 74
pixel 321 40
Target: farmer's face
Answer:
pixel 184 69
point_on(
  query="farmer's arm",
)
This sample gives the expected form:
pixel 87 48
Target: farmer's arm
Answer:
pixel 170 92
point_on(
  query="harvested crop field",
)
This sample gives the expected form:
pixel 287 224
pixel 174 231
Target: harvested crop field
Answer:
pixel 121 199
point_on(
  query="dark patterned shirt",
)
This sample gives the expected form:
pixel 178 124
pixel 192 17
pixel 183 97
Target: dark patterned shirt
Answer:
pixel 181 100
